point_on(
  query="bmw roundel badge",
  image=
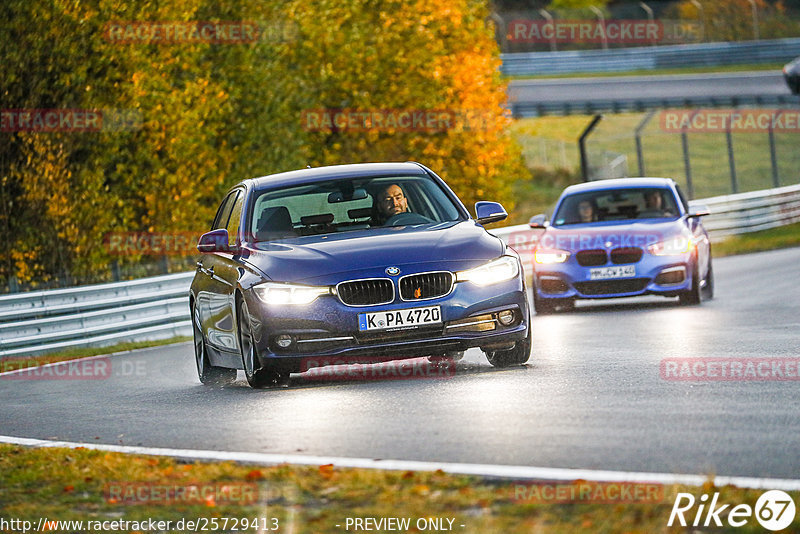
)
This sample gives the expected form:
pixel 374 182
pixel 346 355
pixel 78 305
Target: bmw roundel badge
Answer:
pixel 392 271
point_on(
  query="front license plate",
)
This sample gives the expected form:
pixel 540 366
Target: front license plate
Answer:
pixel 399 318
pixel 604 273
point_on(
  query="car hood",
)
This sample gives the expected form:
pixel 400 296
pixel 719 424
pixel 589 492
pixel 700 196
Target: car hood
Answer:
pixel 575 237
pixel 326 258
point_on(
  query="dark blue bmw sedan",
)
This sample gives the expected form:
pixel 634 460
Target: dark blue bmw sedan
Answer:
pixel 368 262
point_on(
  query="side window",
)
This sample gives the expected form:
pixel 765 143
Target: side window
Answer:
pixel 235 217
pixel 224 211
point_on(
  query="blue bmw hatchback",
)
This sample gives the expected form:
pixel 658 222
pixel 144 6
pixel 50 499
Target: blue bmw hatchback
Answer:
pixel 621 238
pixel 368 262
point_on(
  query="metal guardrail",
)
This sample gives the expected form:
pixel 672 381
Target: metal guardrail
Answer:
pixel 650 57
pixel 157 308
pixel 591 107
pixel 749 212
pixel 139 310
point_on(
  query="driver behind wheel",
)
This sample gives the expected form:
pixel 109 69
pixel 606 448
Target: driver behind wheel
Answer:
pixel 390 201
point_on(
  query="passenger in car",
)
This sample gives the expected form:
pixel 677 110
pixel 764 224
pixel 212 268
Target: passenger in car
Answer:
pixel 654 204
pixel 587 211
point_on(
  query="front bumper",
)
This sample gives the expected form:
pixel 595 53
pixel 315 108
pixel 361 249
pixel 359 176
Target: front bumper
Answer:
pixel 327 327
pixel 657 275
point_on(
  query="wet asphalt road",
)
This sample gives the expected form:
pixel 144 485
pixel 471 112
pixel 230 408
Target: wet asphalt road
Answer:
pixel 591 396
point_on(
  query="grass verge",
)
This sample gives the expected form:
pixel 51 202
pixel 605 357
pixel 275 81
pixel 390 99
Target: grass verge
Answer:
pixel 774 238
pixel 22 362
pixel 87 485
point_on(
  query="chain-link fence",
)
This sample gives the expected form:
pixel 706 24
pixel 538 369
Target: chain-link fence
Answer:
pixel 709 152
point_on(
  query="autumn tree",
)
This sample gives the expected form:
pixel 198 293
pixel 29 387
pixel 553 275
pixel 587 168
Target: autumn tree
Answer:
pixel 210 114
pixel 732 20
pixel 406 55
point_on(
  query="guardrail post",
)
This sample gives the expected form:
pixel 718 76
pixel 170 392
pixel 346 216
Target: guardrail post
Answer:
pixel 582 146
pixel 638 138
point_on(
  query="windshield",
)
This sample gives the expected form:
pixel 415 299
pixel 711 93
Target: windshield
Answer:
pixel 616 205
pixel 349 204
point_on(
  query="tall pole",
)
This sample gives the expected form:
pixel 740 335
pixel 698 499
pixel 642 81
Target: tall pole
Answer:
pixel 638 137
pixel 649 18
pixel 687 167
pixel 582 146
pixel 772 153
pixel 602 20
pixel 549 18
pixel 731 160
pixel 754 7
pixel 701 12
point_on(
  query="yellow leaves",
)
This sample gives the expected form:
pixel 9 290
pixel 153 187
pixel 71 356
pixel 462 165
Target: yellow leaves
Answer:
pixel 421 489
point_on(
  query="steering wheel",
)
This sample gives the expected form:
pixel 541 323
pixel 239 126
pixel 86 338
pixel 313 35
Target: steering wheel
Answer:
pixel 406 218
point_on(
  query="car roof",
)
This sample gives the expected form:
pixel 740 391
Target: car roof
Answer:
pixel 355 170
pixel 618 183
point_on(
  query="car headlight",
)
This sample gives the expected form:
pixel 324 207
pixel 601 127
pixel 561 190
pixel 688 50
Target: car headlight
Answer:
pixel 550 255
pixel 672 247
pixel 499 270
pixel 275 293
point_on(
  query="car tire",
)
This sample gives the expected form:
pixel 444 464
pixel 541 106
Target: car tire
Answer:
pixel 516 356
pixel 208 374
pixel 692 296
pixel 708 288
pixel 257 376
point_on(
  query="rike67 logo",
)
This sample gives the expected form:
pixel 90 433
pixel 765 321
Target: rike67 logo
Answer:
pixel 774 510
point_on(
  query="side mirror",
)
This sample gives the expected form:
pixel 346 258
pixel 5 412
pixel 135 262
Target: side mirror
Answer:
pixel 538 221
pixel 701 210
pixel 489 212
pixel 214 241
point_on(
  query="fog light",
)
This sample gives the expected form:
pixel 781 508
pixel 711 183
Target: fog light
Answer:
pixel 284 341
pixel 506 317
